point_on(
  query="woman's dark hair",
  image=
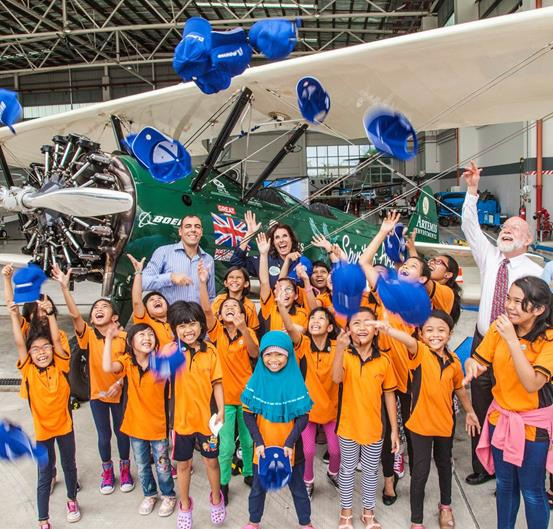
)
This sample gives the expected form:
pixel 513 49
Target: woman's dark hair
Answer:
pixel 425 269
pixel 240 304
pixel 246 290
pixel 331 320
pixel 271 236
pixel 442 315
pixel 453 267
pixel 154 293
pixel 187 312
pixel 36 332
pixel 536 294
pixel 115 313
pixel 30 309
pixel 135 329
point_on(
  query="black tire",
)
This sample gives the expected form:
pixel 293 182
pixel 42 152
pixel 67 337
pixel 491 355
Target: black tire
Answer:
pixel 78 372
pixel 3 234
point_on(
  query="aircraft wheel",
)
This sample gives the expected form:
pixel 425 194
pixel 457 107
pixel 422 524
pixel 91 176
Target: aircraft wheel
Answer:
pixel 3 234
pixel 78 372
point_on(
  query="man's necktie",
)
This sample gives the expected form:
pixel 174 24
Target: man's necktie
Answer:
pixel 500 292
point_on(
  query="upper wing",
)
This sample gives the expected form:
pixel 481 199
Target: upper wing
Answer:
pixel 490 71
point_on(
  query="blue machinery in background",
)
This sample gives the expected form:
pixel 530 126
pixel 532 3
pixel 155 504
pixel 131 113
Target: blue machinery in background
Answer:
pixel 489 210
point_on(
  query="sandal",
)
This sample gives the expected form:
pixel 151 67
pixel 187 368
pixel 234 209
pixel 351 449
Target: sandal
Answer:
pixel 370 521
pixel 447 521
pixel 348 524
pixel 184 518
pixel 218 512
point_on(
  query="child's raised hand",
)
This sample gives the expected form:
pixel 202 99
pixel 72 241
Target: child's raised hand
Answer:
pixel 137 265
pixel 203 273
pixel 112 331
pixel 240 321
pixel 46 306
pixel 7 271
pixel 260 451
pixel 263 245
pixel 288 452
pixel 301 272
pixel 472 370
pixel 389 223
pixel 320 241
pixel 12 308
pixel 381 325
pixel 293 256
pixel 410 241
pixel 506 329
pixel 251 225
pixel 343 339
pixel 60 277
pixel 472 426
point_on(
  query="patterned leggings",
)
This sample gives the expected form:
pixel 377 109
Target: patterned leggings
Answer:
pixel 370 460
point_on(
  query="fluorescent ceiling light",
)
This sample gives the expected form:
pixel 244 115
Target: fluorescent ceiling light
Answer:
pixel 255 4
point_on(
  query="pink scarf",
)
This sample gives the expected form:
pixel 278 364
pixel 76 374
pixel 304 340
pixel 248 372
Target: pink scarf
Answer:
pixel 509 435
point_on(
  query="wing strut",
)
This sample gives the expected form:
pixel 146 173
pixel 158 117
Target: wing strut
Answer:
pixel 117 131
pixel 273 164
pixel 219 145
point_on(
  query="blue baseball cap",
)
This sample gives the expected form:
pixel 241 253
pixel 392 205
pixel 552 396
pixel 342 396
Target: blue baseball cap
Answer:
pixel 192 54
pixel 348 285
pixel 166 365
pixel 313 100
pixel 276 341
pixel 409 300
pixel 274 469
pixel 213 81
pixel 166 158
pixel 10 108
pixel 305 261
pixel 274 38
pixel 230 51
pixel 15 443
pixel 27 282
pixel 395 245
pixel 389 132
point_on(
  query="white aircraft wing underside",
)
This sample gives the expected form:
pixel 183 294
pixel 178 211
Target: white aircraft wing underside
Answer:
pixel 490 71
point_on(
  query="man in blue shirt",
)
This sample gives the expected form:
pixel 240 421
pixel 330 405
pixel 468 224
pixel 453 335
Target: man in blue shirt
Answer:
pixel 173 269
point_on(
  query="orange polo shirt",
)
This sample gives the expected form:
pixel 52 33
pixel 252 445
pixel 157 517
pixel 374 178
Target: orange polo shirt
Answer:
pixel 251 310
pixel 508 390
pixel 193 389
pixel 433 383
pixel 270 313
pixel 360 405
pixel 47 391
pixel 442 297
pixel 161 328
pixel 100 381
pixel 146 403
pixel 322 389
pixel 326 299
pixel 235 361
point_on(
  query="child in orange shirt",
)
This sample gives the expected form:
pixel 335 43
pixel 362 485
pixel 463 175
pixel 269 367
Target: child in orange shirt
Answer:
pixel 150 309
pixel 367 377
pixel 437 374
pixel 44 366
pixel 236 345
pixel 237 286
pixel 105 388
pixel 145 418
pixel 194 386
pixel 317 349
pixel 271 319
pixel 276 403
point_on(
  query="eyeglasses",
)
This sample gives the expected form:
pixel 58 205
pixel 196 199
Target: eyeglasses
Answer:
pixel 288 290
pixel 47 348
pixel 439 262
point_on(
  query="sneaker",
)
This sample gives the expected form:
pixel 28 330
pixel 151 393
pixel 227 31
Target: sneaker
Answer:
pixel 167 506
pixel 248 480
pixel 73 512
pixel 309 487
pixel 125 478
pixel 147 505
pixel 399 465
pixel 326 457
pixel 107 486
pixel 45 525
pixel 333 478
pixel 218 512
pixel 224 490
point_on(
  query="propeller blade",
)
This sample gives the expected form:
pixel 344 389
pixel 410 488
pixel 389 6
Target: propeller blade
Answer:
pixel 15 259
pixel 81 202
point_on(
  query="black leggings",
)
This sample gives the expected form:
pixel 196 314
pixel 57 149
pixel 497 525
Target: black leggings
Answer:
pixel 423 446
pixel 387 457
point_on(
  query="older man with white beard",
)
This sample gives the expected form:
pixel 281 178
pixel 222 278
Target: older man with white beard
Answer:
pixel 499 266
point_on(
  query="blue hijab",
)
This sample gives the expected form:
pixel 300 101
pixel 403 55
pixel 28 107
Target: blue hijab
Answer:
pixel 280 396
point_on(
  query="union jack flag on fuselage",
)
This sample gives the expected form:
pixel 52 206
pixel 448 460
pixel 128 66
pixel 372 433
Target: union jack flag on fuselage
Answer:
pixel 227 230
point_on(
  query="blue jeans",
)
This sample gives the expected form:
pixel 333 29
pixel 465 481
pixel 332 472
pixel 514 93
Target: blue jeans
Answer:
pixel 529 480
pixel 100 413
pixel 159 450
